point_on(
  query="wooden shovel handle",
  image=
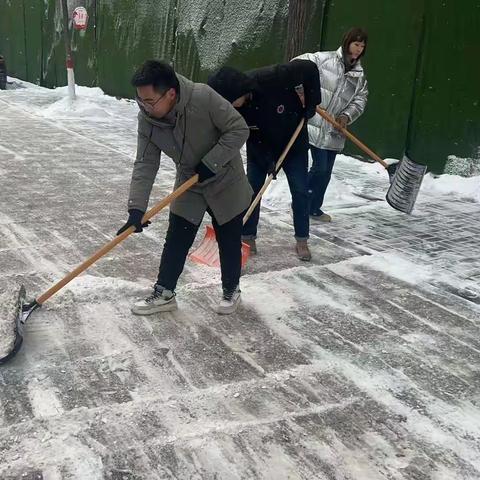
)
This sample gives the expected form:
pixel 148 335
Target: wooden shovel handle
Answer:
pixel 277 167
pixel 323 113
pixel 118 239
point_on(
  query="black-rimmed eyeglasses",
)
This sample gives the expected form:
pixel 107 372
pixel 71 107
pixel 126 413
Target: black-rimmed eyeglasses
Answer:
pixel 149 106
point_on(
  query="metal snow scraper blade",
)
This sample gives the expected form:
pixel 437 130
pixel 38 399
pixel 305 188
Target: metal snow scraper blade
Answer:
pixel 12 322
pixel 207 252
pixel 402 192
pixel 405 185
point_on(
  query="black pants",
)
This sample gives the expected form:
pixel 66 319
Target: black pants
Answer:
pixel 180 236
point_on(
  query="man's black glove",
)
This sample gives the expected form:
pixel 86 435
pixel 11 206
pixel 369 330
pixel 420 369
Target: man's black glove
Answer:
pixel 135 218
pixel 204 173
pixel 272 169
pixel 309 112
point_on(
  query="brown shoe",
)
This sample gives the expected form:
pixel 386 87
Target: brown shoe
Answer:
pixel 324 217
pixel 303 251
pixel 252 244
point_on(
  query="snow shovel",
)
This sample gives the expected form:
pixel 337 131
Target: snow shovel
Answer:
pixel 207 252
pixel 405 176
pixel 14 309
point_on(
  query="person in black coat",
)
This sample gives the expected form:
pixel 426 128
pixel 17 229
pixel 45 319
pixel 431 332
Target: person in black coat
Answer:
pixel 269 99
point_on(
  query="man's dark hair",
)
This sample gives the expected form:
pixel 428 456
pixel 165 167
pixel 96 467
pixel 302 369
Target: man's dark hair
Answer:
pixel 156 73
pixel 230 83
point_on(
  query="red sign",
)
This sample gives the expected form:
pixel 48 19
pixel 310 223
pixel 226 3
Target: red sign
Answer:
pixel 80 18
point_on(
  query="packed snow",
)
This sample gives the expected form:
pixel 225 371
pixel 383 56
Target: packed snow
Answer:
pixel 361 364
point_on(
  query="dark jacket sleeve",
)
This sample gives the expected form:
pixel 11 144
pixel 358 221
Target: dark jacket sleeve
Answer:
pixel 307 72
pixel 291 75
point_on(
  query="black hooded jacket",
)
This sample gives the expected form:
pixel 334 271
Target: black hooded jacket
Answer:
pixel 274 109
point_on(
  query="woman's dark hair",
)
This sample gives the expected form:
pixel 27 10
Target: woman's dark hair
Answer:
pixel 355 34
pixel 156 73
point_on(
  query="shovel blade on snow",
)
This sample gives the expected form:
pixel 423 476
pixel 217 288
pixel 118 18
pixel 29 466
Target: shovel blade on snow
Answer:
pixel 12 324
pixel 12 328
pixel 405 185
pixel 207 252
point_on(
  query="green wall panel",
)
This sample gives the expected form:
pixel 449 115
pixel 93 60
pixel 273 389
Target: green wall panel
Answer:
pixel 12 37
pixel 316 16
pixel 212 33
pixel 390 64
pixel 446 109
pixel 128 33
pixel 263 40
pixel 53 50
pixel 421 61
pixel 33 39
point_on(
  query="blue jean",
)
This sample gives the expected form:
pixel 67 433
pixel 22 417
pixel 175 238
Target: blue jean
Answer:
pixel 295 167
pixel 319 177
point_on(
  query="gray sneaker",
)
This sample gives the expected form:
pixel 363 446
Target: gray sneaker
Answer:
pixel 229 302
pixel 161 300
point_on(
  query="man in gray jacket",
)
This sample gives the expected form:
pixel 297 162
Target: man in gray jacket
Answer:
pixel 202 133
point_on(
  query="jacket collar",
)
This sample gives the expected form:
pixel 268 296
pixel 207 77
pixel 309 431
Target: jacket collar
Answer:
pixel 357 69
pixel 186 90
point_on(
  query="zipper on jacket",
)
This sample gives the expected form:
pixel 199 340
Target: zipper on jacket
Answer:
pixel 184 135
pixel 148 142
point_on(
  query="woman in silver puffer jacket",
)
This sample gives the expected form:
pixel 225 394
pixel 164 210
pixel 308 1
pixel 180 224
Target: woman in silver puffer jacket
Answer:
pixel 344 96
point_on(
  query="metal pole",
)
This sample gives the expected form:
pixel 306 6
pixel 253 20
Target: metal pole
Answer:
pixel 68 52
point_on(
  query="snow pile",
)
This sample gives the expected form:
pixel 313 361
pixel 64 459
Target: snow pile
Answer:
pixel 344 190
pixel 14 84
pixel 92 289
pixel 466 167
pixel 466 188
pixel 411 271
pixel 278 194
pixel 8 315
pixel 392 264
pixel 90 103
pixel 340 191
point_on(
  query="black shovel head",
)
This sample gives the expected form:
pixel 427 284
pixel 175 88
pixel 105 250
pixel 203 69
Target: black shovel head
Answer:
pixel 405 184
pixel 11 325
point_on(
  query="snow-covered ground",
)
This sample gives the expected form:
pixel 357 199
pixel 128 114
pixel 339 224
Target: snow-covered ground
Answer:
pixel 363 364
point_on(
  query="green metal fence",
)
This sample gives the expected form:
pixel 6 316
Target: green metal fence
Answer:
pixel 421 60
